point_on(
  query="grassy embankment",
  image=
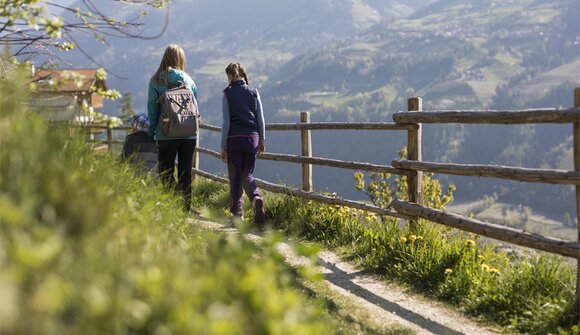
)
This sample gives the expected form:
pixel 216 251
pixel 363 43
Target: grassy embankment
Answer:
pixel 533 293
pixel 87 247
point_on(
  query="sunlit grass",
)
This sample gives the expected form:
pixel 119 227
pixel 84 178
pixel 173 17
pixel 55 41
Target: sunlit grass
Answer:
pixel 89 247
pixel 533 293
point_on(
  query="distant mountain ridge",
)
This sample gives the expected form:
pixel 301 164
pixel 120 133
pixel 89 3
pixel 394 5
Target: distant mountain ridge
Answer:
pixel 261 34
pixel 453 52
pixel 359 60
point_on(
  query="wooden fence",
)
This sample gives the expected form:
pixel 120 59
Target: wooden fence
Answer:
pixel 413 166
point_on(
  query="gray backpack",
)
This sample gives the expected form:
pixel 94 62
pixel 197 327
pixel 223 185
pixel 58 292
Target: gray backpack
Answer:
pixel 179 116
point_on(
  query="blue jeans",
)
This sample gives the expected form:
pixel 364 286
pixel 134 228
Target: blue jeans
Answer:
pixel 242 153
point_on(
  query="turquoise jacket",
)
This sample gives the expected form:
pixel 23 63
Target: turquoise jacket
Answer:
pixel 155 91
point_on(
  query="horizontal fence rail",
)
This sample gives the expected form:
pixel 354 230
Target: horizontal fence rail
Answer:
pixel 545 115
pixel 99 126
pixel 310 196
pixel 498 232
pixel 328 126
pixel 103 128
pixel 319 161
pixel 341 126
pixel 505 172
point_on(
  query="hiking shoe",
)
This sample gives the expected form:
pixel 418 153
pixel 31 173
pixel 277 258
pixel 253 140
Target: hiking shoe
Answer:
pixel 235 218
pixel 259 212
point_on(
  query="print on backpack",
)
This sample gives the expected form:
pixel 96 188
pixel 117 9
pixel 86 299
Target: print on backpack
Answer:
pixel 179 115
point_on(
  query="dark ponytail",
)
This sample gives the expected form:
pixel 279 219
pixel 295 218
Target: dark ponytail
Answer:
pixel 236 70
pixel 243 74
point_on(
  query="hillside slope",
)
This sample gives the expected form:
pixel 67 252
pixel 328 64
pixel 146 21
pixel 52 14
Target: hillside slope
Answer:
pixel 455 55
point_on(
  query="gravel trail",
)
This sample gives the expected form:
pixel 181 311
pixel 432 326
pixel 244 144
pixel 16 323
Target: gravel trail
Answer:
pixel 382 303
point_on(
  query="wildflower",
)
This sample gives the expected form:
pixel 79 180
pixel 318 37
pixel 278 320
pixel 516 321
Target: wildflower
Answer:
pixel 448 271
pixel 403 239
pixel 470 243
pixel 412 238
pixel 485 267
pixel 493 270
pixel 420 238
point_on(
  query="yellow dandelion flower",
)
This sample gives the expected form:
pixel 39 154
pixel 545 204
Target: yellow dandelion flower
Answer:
pixel 412 238
pixel 420 238
pixel 448 271
pixel 403 239
pixel 470 243
pixel 485 267
pixel 493 270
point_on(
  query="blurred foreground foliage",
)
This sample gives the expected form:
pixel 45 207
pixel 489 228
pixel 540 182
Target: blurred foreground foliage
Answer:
pixel 86 247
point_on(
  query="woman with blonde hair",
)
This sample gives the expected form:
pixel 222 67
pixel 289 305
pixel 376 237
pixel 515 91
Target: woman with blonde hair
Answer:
pixel 243 137
pixel 171 74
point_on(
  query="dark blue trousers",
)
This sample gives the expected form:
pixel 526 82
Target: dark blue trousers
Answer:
pixel 242 153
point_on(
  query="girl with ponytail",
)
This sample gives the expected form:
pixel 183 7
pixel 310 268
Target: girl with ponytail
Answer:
pixel 243 137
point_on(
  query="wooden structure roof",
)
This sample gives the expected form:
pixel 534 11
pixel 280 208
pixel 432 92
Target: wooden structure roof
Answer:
pixel 67 80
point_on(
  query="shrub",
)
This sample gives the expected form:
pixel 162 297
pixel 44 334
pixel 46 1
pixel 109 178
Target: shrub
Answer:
pixel 86 247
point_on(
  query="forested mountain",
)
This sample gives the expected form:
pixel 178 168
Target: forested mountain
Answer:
pixel 261 34
pixel 359 60
pixel 454 54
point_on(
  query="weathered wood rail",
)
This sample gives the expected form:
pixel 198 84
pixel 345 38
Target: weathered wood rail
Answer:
pixel 90 128
pixel 498 232
pixel 545 115
pixel 505 172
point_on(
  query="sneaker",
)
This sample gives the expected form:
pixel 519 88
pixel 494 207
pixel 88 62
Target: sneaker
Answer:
pixel 259 212
pixel 235 218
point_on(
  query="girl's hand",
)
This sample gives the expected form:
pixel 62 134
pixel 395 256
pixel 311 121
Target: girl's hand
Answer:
pixel 261 147
pixel 224 156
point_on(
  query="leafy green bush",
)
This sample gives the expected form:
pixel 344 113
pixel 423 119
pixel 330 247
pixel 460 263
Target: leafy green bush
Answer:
pixel 86 247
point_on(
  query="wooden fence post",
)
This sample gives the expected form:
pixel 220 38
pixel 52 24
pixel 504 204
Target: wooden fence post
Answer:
pixel 576 154
pixel 414 139
pixel 110 138
pixel 307 152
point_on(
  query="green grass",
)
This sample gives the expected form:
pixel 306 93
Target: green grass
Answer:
pixel 532 295
pixel 88 247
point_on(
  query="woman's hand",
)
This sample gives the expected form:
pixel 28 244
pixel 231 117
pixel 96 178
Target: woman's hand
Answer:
pixel 261 147
pixel 224 156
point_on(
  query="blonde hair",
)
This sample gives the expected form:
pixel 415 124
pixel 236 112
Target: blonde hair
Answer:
pixel 174 57
pixel 236 70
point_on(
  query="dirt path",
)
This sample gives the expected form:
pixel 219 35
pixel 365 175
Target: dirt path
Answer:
pixel 378 302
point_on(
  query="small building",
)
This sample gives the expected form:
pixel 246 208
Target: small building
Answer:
pixel 61 94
